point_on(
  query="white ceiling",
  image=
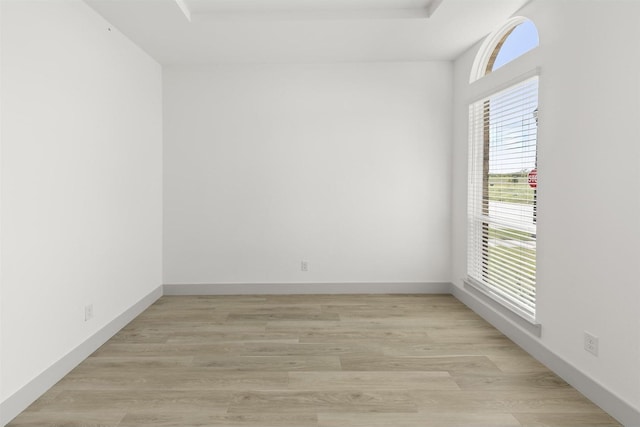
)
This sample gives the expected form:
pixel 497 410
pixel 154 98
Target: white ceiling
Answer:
pixel 264 31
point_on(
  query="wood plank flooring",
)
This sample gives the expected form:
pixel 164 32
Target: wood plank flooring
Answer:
pixel 311 361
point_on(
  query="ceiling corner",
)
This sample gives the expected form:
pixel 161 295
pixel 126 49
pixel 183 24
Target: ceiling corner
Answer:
pixel 433 6
pixel 182 4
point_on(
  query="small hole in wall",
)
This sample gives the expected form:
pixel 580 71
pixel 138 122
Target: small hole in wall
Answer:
pixel 109 29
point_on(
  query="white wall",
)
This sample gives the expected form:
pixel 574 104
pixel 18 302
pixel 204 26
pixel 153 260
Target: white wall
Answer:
pixel 344 165
pixel 81 181
pixel 1 235
pixel 589 204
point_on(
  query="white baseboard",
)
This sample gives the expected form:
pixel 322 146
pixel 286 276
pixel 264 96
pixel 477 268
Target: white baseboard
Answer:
pixel 615 406
pixel 307 288
pixel 20 400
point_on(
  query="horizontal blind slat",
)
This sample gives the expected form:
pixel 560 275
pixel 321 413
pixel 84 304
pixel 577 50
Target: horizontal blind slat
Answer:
pixel 501 204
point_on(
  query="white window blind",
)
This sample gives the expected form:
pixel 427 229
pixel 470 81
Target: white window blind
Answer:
pixel 502 196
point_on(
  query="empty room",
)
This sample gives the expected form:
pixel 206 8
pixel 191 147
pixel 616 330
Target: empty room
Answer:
pixel 319 213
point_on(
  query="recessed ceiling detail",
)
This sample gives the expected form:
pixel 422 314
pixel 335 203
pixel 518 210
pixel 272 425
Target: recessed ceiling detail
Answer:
pixel 307 9
pixel 202 32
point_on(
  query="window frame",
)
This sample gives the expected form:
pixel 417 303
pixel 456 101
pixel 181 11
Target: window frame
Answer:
pixel 512 73
pixel 478 197
pixel 488 52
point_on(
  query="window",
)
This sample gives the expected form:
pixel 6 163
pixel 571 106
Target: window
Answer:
pixel 503 195
pixel 517 37
pixel 502 191
pixel 518 41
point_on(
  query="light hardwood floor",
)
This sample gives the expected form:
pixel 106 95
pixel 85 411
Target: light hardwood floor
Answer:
pixel 315 360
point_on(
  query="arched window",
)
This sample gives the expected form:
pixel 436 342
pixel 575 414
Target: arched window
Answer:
pixel 503 162
pixel 517 37
pixel 518 41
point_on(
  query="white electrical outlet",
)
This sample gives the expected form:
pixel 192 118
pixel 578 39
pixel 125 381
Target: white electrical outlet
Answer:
pixel 304 265
pixel 591 343
pixel 88 312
